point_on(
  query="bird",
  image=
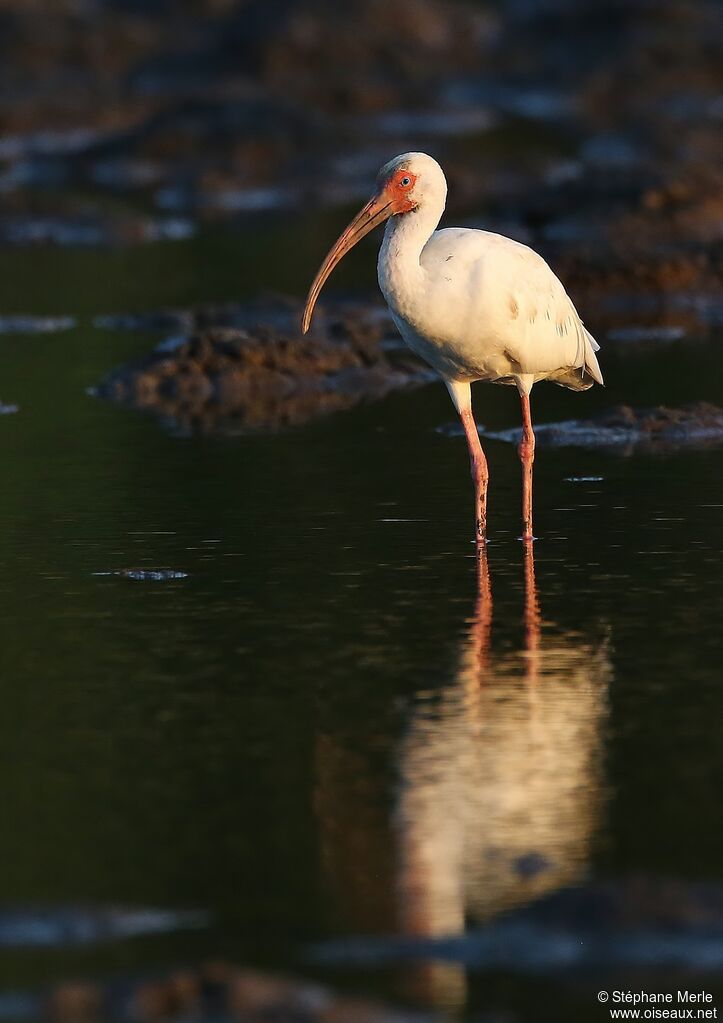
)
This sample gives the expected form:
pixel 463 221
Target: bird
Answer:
pixel 473 304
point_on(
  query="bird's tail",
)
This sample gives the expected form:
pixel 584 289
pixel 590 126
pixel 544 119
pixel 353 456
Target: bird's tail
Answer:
pixel 591 366
pixel 586 370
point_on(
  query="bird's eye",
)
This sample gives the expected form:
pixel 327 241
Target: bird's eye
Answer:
pixel 405 181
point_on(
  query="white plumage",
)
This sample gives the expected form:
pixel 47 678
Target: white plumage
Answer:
pixel 473 304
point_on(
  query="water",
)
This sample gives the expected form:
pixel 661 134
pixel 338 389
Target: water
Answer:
pixel 319 729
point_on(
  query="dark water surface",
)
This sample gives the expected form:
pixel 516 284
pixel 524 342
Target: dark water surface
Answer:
pixel 319 732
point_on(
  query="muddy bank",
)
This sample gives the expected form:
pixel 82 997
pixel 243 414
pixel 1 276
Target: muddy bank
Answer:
pixel 233 379
pixel 627 924
pixel 238 368
pixel 592 131
pixel 216 992
pixel 625 430
pixel 216 108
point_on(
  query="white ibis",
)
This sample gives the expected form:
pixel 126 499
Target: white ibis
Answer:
pixel 474 305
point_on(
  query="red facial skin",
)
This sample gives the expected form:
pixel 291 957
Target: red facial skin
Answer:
pixel 398 192
pixel 393 196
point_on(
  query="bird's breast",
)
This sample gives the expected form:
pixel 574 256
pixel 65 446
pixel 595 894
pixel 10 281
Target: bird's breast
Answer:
pixel 451 357
pixel 454 349
pixel 447 308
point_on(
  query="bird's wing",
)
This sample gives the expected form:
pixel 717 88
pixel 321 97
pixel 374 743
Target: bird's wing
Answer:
pixel 518 298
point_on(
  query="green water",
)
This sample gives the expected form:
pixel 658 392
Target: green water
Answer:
pixel 282 737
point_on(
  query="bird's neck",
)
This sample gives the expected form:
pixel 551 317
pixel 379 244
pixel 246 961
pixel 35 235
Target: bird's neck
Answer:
pixel 399 269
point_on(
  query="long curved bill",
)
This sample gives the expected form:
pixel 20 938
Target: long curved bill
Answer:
pixel 377 210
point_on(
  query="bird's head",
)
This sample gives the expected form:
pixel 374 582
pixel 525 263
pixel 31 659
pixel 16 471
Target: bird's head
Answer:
pixel 402 186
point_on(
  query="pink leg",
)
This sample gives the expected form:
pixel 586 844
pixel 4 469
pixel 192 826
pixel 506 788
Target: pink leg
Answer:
pixel 527 457
pixel 480 474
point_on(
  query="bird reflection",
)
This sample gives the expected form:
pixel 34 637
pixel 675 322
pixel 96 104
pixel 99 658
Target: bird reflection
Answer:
pixel 497 790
